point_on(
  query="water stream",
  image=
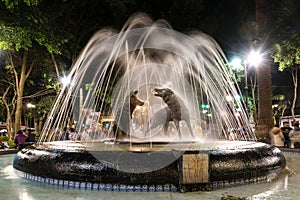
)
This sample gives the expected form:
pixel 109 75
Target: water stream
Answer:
pixel 190 69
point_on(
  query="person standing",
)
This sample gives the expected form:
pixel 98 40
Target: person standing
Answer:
pixel 296 131
pixel 295 134
pixel 65 134
pixel 72 134
pixel 286 129
pixel 276 136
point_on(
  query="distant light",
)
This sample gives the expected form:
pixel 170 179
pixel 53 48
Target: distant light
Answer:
pixel 30 105
pixel 236 63
pixel 205 106
pixel 239 109
pixel 223 113
pixel 229 98
pixel 66 80
pixel 254 58
pixel 237 97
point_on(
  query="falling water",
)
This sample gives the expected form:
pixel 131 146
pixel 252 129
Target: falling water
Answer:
pixel 143 56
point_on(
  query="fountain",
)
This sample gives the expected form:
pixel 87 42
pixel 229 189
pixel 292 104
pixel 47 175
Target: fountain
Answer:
pixel 150 112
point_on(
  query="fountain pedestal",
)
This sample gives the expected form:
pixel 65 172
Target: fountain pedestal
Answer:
pixel 187 169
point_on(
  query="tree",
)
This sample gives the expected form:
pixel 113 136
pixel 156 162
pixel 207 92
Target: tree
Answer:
pixel 287 54
pixel 279 107
pixel 9 107
pixel 18 37
pixel 18 65
pixel 254 97
pixel 265 114
pixel 286 48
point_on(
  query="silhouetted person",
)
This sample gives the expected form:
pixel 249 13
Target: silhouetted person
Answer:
pixel 30 137
pixel 286 129
pixel 65 134
pixel 295 134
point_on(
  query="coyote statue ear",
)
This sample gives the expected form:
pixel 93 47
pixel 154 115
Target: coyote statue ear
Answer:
pixel 135 92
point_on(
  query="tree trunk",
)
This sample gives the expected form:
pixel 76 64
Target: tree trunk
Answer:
pixel 295 81
pixel 55 64
pixel 265 115
pixel 9 124
pixel 253 88
pixel 40 125
pixel 20 82
pixel 9 111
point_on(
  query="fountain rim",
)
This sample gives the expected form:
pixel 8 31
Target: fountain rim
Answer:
pixel 111 145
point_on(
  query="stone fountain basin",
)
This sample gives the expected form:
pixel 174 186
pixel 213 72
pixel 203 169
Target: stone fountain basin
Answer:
pixel 188 166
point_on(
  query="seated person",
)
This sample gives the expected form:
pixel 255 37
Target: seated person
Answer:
pixel 30 137
pixel 20 138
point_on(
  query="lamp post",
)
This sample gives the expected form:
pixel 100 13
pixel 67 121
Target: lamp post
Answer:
pixel 253 59
pixel 30 106
pixel 66 80
pixel 239 64
pixel 246 86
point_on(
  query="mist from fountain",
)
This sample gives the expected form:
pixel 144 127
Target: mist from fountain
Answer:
pixel 143 56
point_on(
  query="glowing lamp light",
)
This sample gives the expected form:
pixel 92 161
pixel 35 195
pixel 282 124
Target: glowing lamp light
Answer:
pixel 236 63
pixel 66 80
pixel 237 97
pixel 205 106
pixel 30 105
pixel 229 98
pixel 254 58
pixel 223 113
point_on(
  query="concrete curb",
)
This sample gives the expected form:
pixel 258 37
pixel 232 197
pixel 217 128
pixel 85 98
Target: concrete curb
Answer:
pixel 8 151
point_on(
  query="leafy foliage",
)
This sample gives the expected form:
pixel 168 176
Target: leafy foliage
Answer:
pixel 287 54
pixel 14 38
pixel 44 106
pixel 10 4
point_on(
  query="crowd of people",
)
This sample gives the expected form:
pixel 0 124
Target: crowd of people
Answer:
pixel 86 135
pixel 280 137
pixel 23 136
pixel 283 137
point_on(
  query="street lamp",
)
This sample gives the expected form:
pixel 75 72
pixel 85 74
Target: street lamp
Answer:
pixel 66 80
pixel 253 59
pixel 30 106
